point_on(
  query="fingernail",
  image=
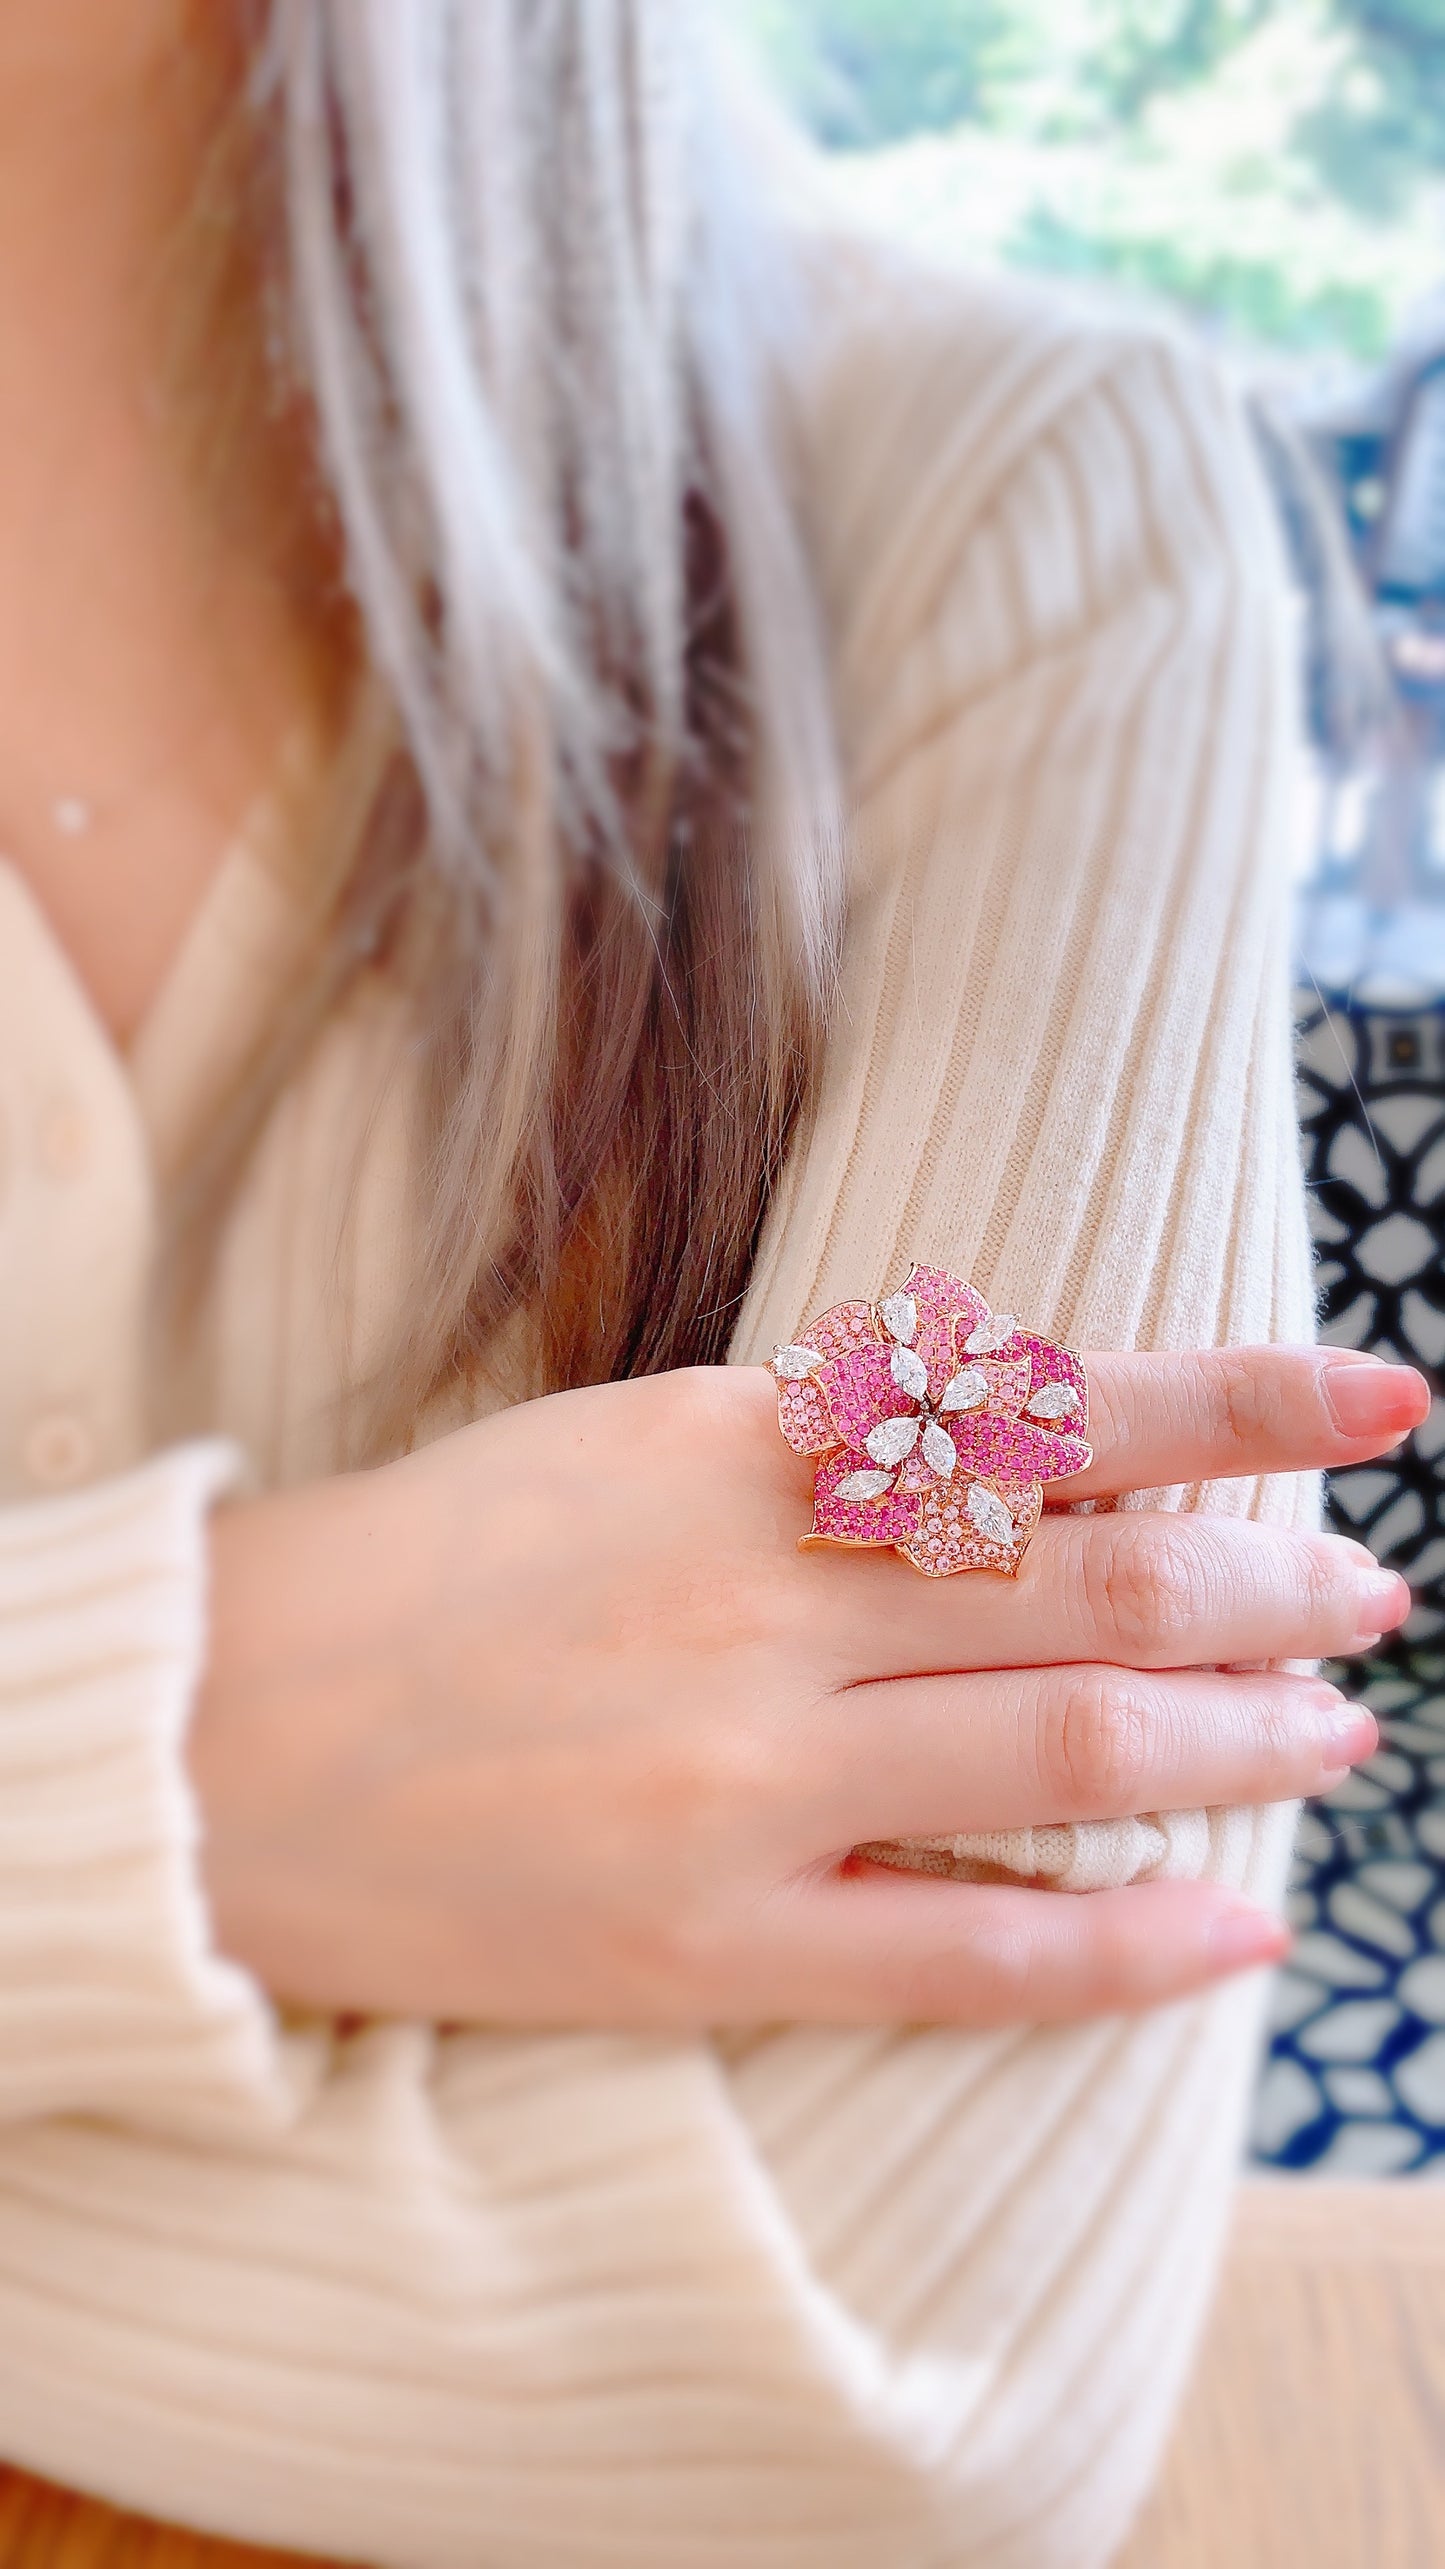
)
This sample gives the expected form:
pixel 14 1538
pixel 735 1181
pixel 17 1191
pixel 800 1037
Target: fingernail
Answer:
pixel 1367 1397
pixel 1384 1601
pixel 1244 1936
pixel 1348 1732
pixel 1348 1735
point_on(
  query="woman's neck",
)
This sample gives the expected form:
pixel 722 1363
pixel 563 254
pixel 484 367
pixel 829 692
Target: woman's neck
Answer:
pixel 147 668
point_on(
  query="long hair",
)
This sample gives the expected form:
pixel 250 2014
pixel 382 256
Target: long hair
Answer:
pixel 538 324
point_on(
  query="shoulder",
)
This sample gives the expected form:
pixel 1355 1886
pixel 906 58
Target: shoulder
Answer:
pixel 921 383
pixel 1003 466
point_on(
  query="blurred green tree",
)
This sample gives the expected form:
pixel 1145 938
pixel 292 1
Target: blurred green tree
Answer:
pixel 1272 163
pixel 1384 121
pixel 864 72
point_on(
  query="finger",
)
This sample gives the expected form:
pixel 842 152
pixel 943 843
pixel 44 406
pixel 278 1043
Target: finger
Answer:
pixel 1229 1412
pixel 866 1945
pixel 1029 1747
pixel 1144 1588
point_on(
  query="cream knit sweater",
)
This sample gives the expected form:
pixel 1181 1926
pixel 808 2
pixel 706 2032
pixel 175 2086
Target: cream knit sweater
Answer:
pixel 800 2299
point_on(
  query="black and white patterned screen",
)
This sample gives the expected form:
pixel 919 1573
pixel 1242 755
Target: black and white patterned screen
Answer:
pixel 1355 2080
pixel 1372 1111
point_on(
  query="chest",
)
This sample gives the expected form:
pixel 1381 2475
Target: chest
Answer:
pixel 275 1329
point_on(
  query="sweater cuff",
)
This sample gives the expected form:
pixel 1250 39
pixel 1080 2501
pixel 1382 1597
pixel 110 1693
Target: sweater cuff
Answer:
pixel 113 1999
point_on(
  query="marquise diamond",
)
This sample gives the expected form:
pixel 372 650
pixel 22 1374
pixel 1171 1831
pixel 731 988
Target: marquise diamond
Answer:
pixel 1053 1400
pixel 939 1450
pixel 899 1315
pixel 989 1514
pixel 968 1390
pixel 892 1439
pixel 864 1485
pixel 910 1372
pixel 991 1334
pixel 794 1364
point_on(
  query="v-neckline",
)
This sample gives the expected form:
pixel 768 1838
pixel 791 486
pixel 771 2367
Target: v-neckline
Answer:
pixel 219 986
pixel 223 979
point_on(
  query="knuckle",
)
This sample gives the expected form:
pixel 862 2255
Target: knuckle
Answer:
pixel 699 1799
pixel 694 1398
pixel 1250 1398
pixel 986 1977
pixel 1120 1957
pixel 1248 1725
pixel 700 1813
pixel 717 1405
pixel 1272 1727
pixel 1003 1962
pixel 674 1955
pixel 732 1773
pixel 726 1417
pixel 666 1414
pixel 1146 1582
pixel 1096 1745
pixel 688 1950
pixel 1325 1579
pixel 1112 1419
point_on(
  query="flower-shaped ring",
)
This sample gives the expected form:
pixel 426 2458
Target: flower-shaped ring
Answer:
pixel 934 1423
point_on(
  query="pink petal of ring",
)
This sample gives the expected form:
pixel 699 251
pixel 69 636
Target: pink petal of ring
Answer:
pixel 889 1519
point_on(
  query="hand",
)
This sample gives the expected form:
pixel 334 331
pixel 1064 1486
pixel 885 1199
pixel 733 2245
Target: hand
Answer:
pixel 552 1724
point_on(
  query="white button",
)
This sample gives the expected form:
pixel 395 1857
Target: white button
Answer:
pixel 64 1138
pixel 58 1449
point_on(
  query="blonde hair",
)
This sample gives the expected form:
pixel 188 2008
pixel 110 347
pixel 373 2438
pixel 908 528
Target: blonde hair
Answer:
pixel 542 323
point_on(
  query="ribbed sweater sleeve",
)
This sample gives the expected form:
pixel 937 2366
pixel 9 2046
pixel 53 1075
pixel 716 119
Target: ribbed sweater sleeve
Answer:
pixel 1065 1074
pixel 112 1999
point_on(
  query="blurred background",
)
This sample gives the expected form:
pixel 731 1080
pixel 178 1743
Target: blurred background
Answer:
pixel 1274 170
pixel 1274 165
